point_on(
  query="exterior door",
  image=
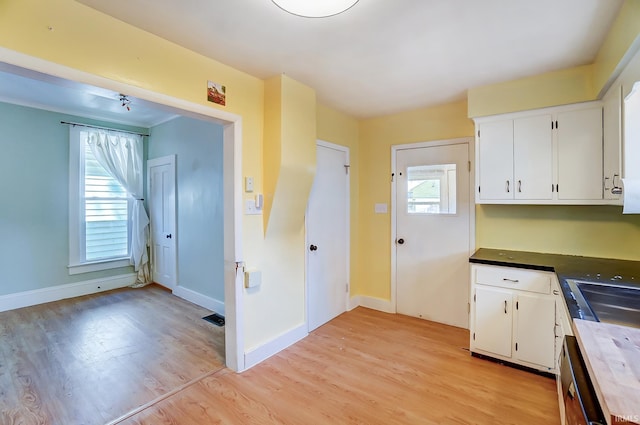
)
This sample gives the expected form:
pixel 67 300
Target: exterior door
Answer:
pixel 432 228
pixel 161 177
pixel 328 236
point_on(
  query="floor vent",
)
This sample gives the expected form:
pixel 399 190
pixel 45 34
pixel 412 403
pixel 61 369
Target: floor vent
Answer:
pixel 215 318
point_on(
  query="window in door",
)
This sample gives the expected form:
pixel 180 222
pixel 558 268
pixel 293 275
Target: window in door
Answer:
pixel 431 189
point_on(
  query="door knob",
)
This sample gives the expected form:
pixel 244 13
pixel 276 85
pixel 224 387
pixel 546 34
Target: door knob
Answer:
pixel 313 248
pixel 169 236
pixel 400 241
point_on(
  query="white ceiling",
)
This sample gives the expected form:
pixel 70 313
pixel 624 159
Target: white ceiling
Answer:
pixel 383 56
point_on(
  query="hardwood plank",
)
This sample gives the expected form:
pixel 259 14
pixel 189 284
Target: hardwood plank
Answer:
pixel 91 359
pixel 366 367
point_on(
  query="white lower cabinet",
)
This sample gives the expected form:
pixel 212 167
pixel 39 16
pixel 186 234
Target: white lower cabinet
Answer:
pixel 513 316
pixel 493 320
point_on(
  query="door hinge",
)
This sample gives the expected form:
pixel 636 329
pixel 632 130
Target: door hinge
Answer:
pixel 346 168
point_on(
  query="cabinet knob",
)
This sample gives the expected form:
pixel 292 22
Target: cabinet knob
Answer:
pixel 400 241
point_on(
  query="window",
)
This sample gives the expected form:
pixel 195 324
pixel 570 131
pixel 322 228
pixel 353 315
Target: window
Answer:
pixel 100 208
pixel 431 189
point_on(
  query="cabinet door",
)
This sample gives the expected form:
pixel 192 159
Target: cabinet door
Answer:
pixel 612 139
pixel 579 138
pixel 493 321
pixel 534 340
pixel 533 157
pixel 495 160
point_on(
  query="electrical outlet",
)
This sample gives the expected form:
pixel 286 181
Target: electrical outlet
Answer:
pixel 250 207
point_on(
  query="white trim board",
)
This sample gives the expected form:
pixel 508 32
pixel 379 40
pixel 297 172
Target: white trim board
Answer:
pixel 254 356
pixel 197 298
pixel 61 292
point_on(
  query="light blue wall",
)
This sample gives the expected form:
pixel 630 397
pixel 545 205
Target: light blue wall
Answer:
pixel 34 200
pixel 198 148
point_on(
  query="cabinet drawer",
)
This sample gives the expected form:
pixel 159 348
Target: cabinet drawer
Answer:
pixel 513 278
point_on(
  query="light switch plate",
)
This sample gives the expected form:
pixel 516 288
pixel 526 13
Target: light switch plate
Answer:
pixel 248 184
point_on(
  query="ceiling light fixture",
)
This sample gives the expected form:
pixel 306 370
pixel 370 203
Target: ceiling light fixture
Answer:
pixel 125 101
pixel 315 8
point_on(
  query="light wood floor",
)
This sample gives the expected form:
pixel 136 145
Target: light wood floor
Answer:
pixel 95 359
pixel 365 367
pixel 89 360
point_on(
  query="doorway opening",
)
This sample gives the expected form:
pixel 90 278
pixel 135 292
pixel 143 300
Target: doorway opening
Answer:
pixel 62 77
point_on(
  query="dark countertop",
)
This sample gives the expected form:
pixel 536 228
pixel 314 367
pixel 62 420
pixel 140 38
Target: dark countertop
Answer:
pixel 588 269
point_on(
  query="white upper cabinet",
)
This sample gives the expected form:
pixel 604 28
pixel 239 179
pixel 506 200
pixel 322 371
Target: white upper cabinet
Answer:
pixel 544 156
pixel 580 153
pixel 612 161
pixel 533 157
pixel 496 175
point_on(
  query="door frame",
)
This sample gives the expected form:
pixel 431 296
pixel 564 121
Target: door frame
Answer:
pixel 169 160
pixel 232 181
pixel 348 232
pixel 469 141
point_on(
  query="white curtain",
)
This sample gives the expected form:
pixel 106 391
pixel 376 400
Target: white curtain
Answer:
pixel 121 155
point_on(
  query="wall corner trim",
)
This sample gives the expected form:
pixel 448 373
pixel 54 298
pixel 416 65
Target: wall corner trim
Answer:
pixel 377 304
pixel 279 343
pixel 61 292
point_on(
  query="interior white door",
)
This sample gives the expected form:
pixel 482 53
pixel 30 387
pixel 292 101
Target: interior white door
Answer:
pixel 328 237
pixel 161 175
pixel 432 228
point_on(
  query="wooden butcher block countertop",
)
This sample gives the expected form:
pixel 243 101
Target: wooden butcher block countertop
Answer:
pixel 612 355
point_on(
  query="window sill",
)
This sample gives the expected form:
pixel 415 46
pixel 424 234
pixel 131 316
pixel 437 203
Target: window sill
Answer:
pixel 98 265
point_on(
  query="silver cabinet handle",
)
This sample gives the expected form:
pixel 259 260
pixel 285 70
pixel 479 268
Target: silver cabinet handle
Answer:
pixel 510 280
pixel 556 292
pixel 507 186
pixel 505 306
pixel 519 186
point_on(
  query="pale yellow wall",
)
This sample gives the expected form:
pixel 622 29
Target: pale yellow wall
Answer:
pixel 339 128
pixel 272 156
pixel 592 231
pixel 553 88
pixel 289 177
pixel 623 33
pixel 376 138
pixel 87 40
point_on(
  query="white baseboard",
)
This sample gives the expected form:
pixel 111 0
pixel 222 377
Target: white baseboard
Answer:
pixel 279 343
pixel 373 303
pixel 61 292
pixel 199 299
